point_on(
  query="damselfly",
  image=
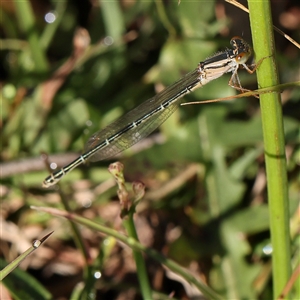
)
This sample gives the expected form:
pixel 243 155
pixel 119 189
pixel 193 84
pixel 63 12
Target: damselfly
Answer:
pixel 145 118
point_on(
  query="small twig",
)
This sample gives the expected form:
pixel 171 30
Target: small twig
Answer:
pixel 274 89
pixel 33 164
pixel 290 284
pixel 242 7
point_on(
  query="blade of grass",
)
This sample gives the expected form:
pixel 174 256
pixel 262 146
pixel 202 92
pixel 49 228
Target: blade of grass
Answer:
pixel 27 23
pixel 10 267
pixel 272 121
pixel 50 29
pixel 22 285
pixel 164 18
pixel 135 245
pixel 112 18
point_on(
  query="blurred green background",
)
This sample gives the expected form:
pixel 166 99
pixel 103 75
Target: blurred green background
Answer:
pixel 69 68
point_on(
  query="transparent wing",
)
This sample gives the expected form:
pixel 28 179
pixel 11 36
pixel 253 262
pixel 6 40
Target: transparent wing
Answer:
pixel 149 121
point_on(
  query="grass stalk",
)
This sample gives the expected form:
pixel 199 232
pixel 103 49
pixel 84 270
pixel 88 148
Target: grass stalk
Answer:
pixel 135 245
pixel 138 257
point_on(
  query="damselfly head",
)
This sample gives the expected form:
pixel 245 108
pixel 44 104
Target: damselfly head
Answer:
pixel 241 49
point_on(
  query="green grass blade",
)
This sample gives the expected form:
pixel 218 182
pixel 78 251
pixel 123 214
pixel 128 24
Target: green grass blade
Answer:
pixel 27 24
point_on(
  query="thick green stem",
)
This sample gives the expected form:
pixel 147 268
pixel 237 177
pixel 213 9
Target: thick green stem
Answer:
pixel 267 75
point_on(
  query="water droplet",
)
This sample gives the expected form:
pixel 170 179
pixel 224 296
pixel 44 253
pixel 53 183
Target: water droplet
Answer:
pixel 36 243
pixel 50 17
pixel 268 249
pixel 97 274
pixel 88 123
pixel 53 166
pixel 108 41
